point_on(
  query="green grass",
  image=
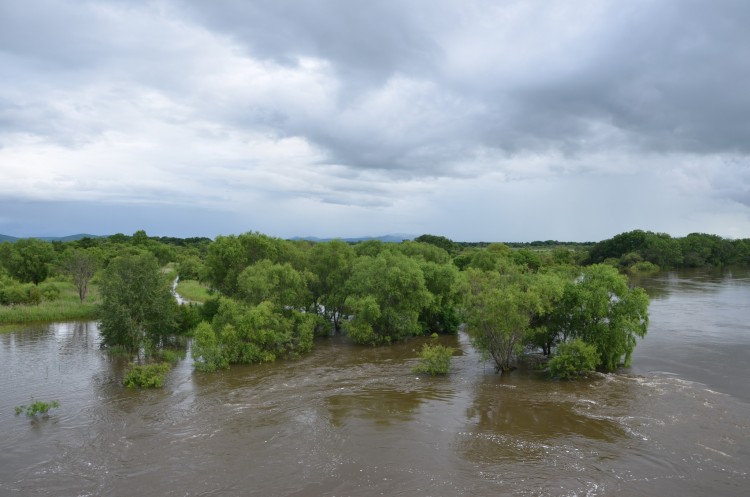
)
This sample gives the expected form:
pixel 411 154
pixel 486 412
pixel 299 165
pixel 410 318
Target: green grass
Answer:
pixel 66 308
pixel 193 291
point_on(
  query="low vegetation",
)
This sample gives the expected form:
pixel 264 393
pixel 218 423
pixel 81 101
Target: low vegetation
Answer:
pixel 434 359
pixel 193 290
pixel 37 407
pixel 573 359
pixel 147 375
pixel 54 301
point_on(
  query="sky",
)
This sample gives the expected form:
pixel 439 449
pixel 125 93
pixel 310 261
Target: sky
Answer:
pixel 479 120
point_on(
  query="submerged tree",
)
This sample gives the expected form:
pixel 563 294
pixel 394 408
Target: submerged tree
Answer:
pixel 503 309
pixel 602 310
pixel 387 293
pixel 137 303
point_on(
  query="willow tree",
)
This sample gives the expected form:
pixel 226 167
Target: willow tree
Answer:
pixel 502 310
pixel 602 310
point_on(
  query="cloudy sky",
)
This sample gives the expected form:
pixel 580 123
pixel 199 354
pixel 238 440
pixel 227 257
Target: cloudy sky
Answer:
pixel 492 120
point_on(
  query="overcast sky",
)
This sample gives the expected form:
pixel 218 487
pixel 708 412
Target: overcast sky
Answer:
pixel 477 120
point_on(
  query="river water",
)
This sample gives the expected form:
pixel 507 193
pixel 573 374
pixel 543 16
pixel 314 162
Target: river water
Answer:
pixel 348 420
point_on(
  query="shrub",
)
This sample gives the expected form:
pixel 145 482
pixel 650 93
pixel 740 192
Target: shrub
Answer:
pixel 573 359
pixel 434 359
pixel 50 291
pixel 37 407
pixel 147 376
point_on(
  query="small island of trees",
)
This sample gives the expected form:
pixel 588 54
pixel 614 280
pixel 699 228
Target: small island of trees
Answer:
pixel 258 298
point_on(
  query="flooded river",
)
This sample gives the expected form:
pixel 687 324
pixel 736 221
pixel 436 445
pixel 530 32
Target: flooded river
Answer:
pixel 355 421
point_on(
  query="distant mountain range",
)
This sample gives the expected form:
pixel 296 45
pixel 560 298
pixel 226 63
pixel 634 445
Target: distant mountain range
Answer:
pixel 69 238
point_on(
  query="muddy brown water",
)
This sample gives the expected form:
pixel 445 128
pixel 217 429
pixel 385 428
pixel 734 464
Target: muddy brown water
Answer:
pixel 347 420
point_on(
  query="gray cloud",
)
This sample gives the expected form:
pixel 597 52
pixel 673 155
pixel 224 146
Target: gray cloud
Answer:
pixel 336 105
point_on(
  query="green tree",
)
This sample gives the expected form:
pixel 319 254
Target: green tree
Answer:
pixel 447 286
pixel 386 295
pixel 280 284
pixel 81 265
pixel 602 310
pixel 503 309
pixel 137 303
pixel 331 263
pixel 228 256
pixel 29 260
pixel 439 241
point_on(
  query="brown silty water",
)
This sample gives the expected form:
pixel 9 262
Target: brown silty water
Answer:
pixel 347 420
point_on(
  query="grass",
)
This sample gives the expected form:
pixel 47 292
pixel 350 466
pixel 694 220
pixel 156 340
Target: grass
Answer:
pixel 66 308
pixel 193 291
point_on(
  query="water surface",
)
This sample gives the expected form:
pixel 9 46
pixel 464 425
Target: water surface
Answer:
pixel 348 420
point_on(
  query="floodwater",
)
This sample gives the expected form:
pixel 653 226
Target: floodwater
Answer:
pixel 356 421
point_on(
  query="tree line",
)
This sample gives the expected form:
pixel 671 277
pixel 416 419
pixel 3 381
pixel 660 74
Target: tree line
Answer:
pixel 271 297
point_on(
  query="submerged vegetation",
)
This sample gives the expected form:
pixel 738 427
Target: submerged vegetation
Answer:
pixel 434 359
pixel 256 298
pixel 37 407
pixel 146 375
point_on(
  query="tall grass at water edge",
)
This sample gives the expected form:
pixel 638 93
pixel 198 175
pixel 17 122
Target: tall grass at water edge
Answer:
pixel 67 307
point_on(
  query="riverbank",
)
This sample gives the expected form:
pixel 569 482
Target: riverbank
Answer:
pixel 67 307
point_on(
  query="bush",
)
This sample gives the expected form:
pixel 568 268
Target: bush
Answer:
pixel 147 376
pixel 50 291
pixel 434 359
pixel 37 407
pixel 573 359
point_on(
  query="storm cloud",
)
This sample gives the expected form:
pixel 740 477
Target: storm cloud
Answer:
pixel 474 119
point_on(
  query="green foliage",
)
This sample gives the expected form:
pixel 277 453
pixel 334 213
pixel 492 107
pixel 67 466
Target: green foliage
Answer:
pixel 439 241
pixel 37 407
pixel 602 310
pixel 188 317
pixel 278 283
pixel 191 268
pixel 331 265
pixel 137 303
pixel 147 375
pixel 694 250
pixel 424 251
pixel 434 359
pixel 447 286
pixel 50 292
pixel 242 334
pixel 17 307
pixel 28 260
pixel 228 256
pixel 81 265
pixel 207 353
pixel 573 359
pixel 193 291
pixel 502 310
pixel 643 267
pixel 387 293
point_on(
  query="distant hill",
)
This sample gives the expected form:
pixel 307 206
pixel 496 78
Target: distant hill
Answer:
pixel 69 238
pixel 393 238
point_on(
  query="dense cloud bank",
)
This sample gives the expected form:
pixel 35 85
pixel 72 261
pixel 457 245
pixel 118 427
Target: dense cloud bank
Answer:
pixel 479 120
